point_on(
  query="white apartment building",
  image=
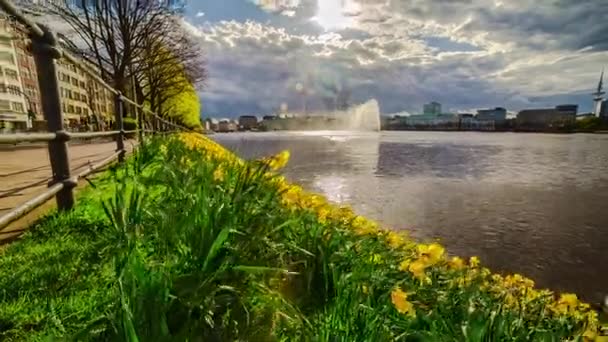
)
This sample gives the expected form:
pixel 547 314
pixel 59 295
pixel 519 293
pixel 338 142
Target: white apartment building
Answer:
pixel 13 104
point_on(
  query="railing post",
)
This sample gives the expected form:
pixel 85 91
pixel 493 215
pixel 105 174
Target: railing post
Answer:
pixel 45 52
pixel 120 143
pixel 140 124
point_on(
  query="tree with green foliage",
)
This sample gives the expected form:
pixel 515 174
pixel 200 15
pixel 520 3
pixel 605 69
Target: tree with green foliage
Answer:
pixel 185 106
pixel 591 124
pixel 168 77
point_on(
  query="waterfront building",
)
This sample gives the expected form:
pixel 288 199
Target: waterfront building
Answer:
pixel 498 115
pixel 211 124
pixel 433 108
pixel 433 121
pixel 248 122
pixel 567 108
pixel 553 118
pixel 227 125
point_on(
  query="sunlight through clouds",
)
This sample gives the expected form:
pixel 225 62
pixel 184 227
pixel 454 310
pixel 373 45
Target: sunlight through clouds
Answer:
pixel 404 53
pixel 336 14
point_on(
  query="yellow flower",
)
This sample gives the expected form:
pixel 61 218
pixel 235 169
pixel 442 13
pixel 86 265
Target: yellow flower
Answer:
pixel 431 254
pixel 395 240
pixel 567 302
pixel 277 162
pixel 590 335
pixel 497 278
pixel 417 269
pixel 456 263
pixel 365 289
pixel 322 214
pixel 363 226
pixel 218 174
pixel 474 261
pixel 399 299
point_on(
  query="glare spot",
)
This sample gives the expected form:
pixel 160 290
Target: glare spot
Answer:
pixel 335 14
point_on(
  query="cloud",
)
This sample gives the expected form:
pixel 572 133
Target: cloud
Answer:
pixel 463 53
pixel 285 7
pixel 200 14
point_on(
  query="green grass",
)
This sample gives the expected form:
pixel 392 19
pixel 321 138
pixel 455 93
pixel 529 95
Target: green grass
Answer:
pixel 162 249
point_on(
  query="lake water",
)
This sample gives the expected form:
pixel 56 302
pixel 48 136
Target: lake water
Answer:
pixel 535 204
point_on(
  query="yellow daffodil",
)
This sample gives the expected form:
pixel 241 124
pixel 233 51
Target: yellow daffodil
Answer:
pixel 566 303
pixel 322 215
pixel 474 261
pixel 395 240
pixel 417 269
pixel 456 263
pixel 399 299
pixel 278 161
pixel 431 254
pixel 218 174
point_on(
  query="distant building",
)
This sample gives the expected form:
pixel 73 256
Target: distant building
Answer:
pixel 568 108
pixel 226 126
pixel 498 115
pixel 433 108
pixel 433 121
pixel 211 124
pixel 604 110
pixel 547 118
pixel 248 122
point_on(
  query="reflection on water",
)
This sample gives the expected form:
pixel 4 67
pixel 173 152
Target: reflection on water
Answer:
pixel 528 203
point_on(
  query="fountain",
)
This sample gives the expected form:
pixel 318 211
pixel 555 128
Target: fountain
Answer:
pixel 365 117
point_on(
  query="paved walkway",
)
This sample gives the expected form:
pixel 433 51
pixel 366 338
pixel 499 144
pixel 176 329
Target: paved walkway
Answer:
pixel 25 172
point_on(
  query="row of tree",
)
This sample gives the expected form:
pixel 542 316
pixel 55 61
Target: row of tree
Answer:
pixel 141 48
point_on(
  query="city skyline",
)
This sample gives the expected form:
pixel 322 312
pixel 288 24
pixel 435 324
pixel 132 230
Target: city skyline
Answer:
pixel 464 54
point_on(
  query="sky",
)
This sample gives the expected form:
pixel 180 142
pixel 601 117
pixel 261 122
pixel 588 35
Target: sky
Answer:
pixel 466 54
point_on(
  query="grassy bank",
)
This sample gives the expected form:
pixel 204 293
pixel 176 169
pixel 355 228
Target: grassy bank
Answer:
pixel 189 243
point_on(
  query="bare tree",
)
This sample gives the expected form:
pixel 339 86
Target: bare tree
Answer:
pixel 111 34
pixel 140 46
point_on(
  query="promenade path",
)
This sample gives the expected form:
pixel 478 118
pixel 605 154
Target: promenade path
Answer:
pixel 26 171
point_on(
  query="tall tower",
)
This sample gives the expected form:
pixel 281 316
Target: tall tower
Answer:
pixel 599 96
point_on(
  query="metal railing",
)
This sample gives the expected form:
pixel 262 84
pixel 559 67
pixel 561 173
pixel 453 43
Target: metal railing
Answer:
pixel 46 52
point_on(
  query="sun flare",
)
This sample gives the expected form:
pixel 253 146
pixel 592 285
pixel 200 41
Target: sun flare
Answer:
pixel 335 14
